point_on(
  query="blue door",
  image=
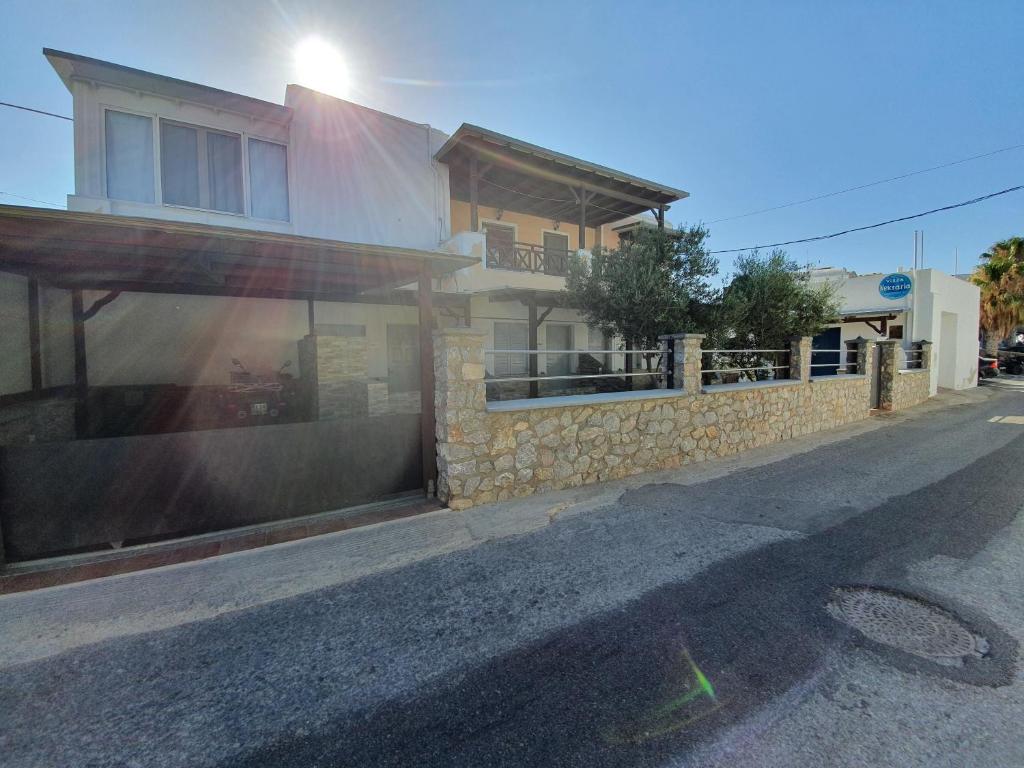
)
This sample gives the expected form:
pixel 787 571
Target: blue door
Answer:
pixel 825 361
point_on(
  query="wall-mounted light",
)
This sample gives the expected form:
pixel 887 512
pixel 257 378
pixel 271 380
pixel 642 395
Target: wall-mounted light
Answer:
pixel 498 213
pixel 557 224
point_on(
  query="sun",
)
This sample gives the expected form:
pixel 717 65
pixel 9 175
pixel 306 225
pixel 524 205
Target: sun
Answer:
pixel 320 66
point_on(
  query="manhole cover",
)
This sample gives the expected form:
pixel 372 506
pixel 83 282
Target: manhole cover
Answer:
pixel 906 623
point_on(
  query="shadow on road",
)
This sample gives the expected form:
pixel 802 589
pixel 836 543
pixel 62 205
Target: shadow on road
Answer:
pixel 638 685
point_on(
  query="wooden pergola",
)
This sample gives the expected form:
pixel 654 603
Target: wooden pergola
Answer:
pixel 114 254
pixel 488 168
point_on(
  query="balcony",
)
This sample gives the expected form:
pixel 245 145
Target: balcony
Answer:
pixel 528 257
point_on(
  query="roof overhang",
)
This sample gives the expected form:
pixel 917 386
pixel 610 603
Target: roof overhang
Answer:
pixel 539 296
pixel 523 177
pixel 850 315
pixel 95 250
pixel 72 66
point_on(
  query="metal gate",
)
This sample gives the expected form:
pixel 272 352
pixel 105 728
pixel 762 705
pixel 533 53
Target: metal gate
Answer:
pixel 876 376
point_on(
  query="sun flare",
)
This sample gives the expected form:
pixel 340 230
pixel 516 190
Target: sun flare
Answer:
pixel 320 66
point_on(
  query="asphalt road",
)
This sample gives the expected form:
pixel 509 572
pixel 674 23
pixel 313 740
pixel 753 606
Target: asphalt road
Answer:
pixel 651 631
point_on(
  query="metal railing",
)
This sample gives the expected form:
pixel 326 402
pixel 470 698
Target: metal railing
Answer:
pixel 528 257
pixel 762 365
pixel 848 367
pixel 590 373
pixel 913 360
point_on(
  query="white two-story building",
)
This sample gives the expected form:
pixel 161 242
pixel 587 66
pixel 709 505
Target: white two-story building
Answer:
pixel 231 323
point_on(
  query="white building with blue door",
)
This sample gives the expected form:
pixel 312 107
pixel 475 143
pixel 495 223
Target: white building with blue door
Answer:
pixel 910 306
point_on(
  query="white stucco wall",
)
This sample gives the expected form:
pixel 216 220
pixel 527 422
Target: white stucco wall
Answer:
pixel 91 100
pixel 364 176
pixel 354 174
pixel 941 309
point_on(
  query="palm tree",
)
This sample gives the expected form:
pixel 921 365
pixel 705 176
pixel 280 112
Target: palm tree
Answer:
pixel 1000 275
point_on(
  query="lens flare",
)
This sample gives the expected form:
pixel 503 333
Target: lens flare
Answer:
pixel 320 66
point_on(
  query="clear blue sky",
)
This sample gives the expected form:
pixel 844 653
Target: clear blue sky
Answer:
pixel 745 105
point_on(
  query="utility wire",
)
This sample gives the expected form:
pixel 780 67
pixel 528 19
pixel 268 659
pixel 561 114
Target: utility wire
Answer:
pixel 869 184
pixel 875 226
pixel 37 111
pixel 32 199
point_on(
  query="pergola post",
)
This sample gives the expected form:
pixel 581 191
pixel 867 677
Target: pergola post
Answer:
pixel 531 305
pixel 583 220
pixel 428 437
pixel 661 217
pixel 34 347
pixel 81 366
pixel 474 176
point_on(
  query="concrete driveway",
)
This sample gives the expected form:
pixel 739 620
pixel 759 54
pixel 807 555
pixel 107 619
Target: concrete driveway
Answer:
pixel 677 619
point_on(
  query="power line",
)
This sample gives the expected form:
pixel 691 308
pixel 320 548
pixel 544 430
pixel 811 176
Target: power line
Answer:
pixel 37 111
pixel 869 184
pixel 875 226
pixel 32 199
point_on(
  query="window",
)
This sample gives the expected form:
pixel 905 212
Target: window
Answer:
pixel 268 180
pixel 500 245
pixel 201 168
pixel 556 253
pixel 179 167
pixel 129 151
pixel 895 331
pixel 511 336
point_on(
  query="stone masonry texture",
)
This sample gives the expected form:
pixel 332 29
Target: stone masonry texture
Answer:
pixel 492 456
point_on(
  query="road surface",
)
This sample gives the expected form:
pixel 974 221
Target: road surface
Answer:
pixel 679 622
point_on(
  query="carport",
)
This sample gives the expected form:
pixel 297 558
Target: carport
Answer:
pixel 74 479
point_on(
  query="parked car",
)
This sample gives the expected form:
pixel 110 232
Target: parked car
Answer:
pixel 1011 359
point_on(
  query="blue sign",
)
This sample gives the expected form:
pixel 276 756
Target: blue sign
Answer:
pixel 894 286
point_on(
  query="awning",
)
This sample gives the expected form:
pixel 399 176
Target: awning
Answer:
pixel 517 176
pixel 849 315
pixel 91 250
pixel 538 296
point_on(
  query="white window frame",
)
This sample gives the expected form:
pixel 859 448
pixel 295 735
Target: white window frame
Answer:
pixel 494 337
pixel 287 176
pixel 104 108
pixel 158 191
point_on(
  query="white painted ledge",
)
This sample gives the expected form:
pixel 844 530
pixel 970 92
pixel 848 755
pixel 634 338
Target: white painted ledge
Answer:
pixel 770 384
pixel 913 370
pixel 498 406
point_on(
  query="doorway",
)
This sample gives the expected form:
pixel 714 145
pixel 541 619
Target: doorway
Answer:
pixel 403 357
pixel 558 337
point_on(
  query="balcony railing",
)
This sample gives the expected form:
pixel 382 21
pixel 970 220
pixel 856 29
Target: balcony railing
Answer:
pixel 528 257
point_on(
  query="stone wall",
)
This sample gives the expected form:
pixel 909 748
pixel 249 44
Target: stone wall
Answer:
pixel 899 389
pixel 333 371
pixel 910 388
pixel 523 448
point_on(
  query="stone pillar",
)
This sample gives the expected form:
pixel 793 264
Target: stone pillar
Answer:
pixel 926 353
pixel 664 367
pixel 800 358
pixel 888 370
pixel 460 403
pixel 672 342
pixel 333 370
pixel 691 364
pixel 865 355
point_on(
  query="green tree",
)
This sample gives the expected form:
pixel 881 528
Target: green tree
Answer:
pixel 769 301
pixel 1000 276
pixel 654 283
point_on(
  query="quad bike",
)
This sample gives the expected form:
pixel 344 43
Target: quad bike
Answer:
pixel 253 398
